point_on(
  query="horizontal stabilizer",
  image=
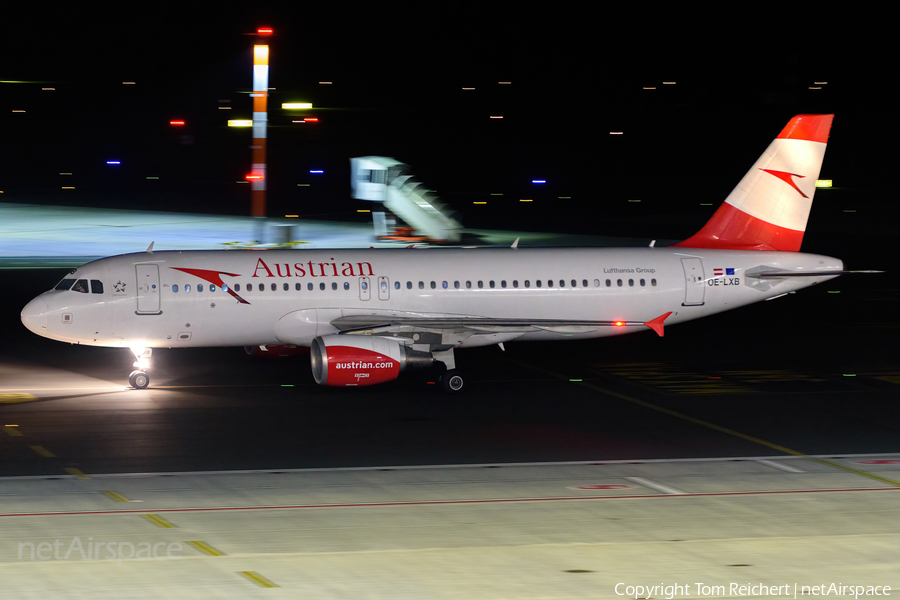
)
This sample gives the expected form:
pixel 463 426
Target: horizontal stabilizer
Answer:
pixel 657 324
pixel 781 274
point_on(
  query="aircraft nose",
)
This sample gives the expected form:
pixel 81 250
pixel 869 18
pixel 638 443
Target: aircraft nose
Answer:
pixel 35 316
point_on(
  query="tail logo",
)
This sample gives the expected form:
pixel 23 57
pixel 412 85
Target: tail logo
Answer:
pixel 786 177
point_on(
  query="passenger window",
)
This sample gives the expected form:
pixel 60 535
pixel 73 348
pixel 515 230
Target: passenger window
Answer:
pixel 298 286
pixel 480 285
pixel 536 283
pixel 199 287
pixel 334 285
pixel 81 286
pixel 608 283
pixel 456 285
pixel 503 283
pixel 444 285
pixel 491 284
pixel 396 285
pixel 96 286
pixel 619 282
pixel 562 283
pixel 262 287
pixel 384 286
pixel 596 283
pixel 309 286
pixel 574 283
pixel 584 283
pixel 322 286
pixel 643 283
pixel 433 285
pixel 187 288
pixel 224 287
pixel 653 282
pixel 237 287
pixel 175 288
pixel 527 283
pixel 346 285
pixel 421 285
pixel 631 283
pixel 212 288
pixel 409 285
pixel 274 287
pixel 286 287
pixel 65 284
pixel 515 283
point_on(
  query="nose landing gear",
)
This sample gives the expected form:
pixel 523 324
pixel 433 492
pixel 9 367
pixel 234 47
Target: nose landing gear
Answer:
pixel 139 379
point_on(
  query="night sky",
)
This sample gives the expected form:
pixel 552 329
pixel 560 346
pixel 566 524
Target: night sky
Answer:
pixel 397 79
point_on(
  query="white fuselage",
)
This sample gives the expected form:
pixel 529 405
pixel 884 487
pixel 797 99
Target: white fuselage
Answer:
pixel 177 299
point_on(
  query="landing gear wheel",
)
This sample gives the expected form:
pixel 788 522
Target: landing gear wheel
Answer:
pixel 139 380
pixel 452 381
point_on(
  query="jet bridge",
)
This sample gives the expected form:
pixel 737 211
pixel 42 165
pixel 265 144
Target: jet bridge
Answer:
pixel 385 180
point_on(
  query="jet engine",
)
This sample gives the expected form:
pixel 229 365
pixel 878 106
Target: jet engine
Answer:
pixel 355 360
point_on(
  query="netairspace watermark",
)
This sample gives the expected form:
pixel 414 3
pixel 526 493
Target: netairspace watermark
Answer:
pixel 749 589
pixel 117 551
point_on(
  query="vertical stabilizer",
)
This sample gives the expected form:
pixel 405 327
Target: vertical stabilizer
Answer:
pixel 769 208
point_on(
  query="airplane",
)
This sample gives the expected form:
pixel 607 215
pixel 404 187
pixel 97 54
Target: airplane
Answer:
pixel 369 314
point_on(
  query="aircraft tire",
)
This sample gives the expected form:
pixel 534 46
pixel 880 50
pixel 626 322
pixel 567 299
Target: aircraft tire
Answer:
pixel 452 381
pixel 139 380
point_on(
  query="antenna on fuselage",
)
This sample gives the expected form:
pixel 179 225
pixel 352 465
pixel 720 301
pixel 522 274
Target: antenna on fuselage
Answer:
pixel 150 248
pixel 515 243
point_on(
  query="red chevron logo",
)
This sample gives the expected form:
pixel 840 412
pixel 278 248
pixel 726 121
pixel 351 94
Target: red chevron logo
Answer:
pixel 786 177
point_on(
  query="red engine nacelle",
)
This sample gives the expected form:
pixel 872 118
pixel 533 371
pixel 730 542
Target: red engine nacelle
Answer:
pixel 354 360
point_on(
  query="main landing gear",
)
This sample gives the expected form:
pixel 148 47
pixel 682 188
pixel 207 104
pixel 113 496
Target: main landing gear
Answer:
pixel 139 379
pixel 450 378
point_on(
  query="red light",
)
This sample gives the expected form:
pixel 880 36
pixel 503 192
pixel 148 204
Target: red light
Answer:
pixel 176 123
pixel 265 31
pixel 619 323
pixel 311 120
pixel 254 177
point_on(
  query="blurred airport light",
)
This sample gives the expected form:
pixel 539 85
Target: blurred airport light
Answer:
pixel 823 183
pixel 240 123
pixel 265 31
pixel 296 105
pixel 176 123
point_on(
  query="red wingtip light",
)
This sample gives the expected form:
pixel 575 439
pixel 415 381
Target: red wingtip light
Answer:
pixel 265 31
pixel 176 123
pixel 254 177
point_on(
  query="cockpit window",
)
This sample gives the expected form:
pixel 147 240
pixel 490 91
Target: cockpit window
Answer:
pixel 65 284
pixel 81 286
pixel 96 286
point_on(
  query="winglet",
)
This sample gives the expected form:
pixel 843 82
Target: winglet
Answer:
pixel 149 249
pixel 657 324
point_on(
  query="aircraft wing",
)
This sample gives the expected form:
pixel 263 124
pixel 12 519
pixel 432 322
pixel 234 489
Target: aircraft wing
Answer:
pixel 465 325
